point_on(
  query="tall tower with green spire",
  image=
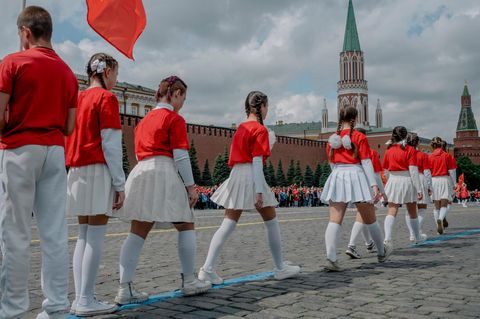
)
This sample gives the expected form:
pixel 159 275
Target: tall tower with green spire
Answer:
pixel 352 89
pixel 467 141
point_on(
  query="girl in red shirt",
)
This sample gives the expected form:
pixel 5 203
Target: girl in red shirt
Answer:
pixel 403 185
pixel 246 189
pixel 425 176
pixel 96 179
pixel 452 163
pixel 359 225
pixel 160 189
pixel 464 195
pixel 443 181
pixel 352 181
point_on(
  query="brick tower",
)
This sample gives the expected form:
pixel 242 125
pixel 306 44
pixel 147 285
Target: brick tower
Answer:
pixel 352 87
pixel 467 142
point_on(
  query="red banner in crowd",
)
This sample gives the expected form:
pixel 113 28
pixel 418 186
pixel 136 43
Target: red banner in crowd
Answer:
pixel 120 22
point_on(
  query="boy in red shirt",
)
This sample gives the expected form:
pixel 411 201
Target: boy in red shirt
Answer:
pixel 38 96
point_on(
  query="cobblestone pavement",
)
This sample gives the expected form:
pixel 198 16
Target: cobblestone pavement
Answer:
pixel 437 280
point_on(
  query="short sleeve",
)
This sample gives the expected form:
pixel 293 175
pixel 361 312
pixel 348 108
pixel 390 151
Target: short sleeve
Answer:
pixel 385 163
pixel 178 134
pixel 7 75
pixel 109 113
pixel 260 146
pixel 411 156
pixel 426 162
pixel 74 102
pixel 452 163
pixel 364 151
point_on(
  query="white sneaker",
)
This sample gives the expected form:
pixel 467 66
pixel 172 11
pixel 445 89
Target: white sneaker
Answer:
pixel 54 315
pixel 195 287
pixel 73 307
pixel 332 266
pixel 94 308
pixel 127 294
pixel 423 237
pixel 286 272
pixel 211 276
pixel 387 252
pixel 412 238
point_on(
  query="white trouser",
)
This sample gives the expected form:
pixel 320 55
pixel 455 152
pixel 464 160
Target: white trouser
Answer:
pixel 33 179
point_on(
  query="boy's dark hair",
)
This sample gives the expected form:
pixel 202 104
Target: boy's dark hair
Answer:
pixel 38 20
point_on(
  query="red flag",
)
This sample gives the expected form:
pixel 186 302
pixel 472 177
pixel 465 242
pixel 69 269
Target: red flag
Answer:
pixel 120 22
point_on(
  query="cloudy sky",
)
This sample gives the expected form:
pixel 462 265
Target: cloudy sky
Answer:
pixel 418 54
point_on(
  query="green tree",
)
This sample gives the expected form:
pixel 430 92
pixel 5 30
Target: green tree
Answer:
pixel 316 176
pixel 197 177
pixel 126 163
pixel 298 179
pixel 280 176
pixel 206 176
pixel 221 171
pixel 308 179
pixel 271 174
pixel 290 173
pixel 326 170
pixel 470 171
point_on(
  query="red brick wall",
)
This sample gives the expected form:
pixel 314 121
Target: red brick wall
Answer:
pixel 211 141
pixel 467 144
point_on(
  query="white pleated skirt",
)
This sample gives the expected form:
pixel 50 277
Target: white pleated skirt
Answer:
pixel 442 188
pixel 89 191
pixel 238 191
pixel 400 189
pixel 346 184
pixel 154 192
pixel 426 198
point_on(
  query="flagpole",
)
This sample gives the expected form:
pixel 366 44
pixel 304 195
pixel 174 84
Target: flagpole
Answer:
pixel 24 4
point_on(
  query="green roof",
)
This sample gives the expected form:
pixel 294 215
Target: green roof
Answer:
pixel 351 41
pixel 296 128
pixel 466 120
pixel 465 91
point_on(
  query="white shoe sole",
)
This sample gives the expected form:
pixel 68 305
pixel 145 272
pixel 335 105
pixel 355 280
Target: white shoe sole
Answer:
pixel 282 276
pixel 196 291
pixel 88 313
pixel 130 300
pixel 204 276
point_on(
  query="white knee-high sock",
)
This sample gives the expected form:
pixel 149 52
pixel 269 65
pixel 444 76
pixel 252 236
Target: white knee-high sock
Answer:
pixel 274 241
pixel 443 213
pixel 129 256
pixel 436 215
pixel 421 217
pixel 356 229
pixel 409 225
pixel 218 240
pixel 377 237
pixel 388 225
pixel 448 210
pixel 78 258
pixel 187 253
pixel 332 235
pixel 415 228
pixel 91 261
pixel 366 234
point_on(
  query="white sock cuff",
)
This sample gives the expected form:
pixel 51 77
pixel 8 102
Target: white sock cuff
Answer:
pixel 82 231
pixel 273 221
pixel 135 239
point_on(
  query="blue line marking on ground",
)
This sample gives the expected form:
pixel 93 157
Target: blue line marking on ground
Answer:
pixel 177 293
pixel 439 239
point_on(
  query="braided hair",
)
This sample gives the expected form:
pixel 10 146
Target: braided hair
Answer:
pixel 168 86
pixel 254 101
pixel 347 114
pixel 95 69
pixel 437 142
pixel 399 133
pixel 413 139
